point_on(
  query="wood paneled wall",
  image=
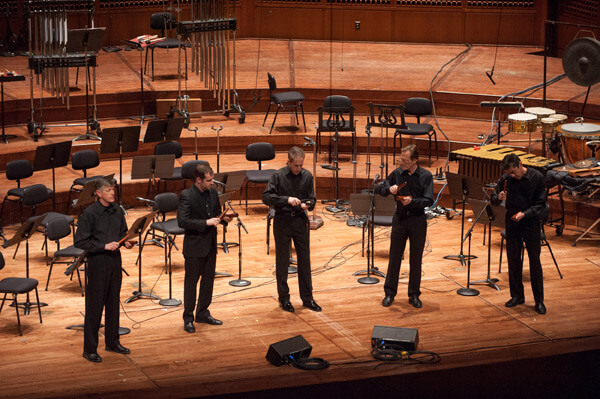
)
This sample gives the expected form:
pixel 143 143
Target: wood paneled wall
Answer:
pixel 520 22
pixel 514 22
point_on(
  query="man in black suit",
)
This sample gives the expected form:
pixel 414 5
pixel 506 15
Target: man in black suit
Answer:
pixel 291 193
pixel 523 190
pixel 199 214
pixel 100 228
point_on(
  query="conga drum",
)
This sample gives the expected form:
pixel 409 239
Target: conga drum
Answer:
pixel 540 113
pixel 573 138
pixel 522 123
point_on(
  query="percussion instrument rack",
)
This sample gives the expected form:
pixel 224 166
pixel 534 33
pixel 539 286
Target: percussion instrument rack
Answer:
pixel 208 32
pixel 50 60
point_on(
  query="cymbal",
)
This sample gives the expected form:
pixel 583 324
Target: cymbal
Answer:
pixel 562 168
pixel 585 163
pixel 581 61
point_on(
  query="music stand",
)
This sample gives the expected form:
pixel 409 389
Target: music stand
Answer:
pixel 152 167
pixel 163 130
pixel 458 192
pixel 87 193
pixel 87 40
pixel 137 229
pixel 363 206
pixel 117 140
pixel 24 233
pixel 52 156
pixel 487 218
pixel 315 221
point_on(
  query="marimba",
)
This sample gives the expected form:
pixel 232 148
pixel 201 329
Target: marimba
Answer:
pixel 484 162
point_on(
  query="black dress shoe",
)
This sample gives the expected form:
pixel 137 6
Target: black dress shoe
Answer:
pixel 540 308
pixel 209 320
pixel 119 349
pixel 312 305
pixel 387 301
pixel 92 357
pixel 189 327
pixel 415 301
pixel 287 306
pixel 514 302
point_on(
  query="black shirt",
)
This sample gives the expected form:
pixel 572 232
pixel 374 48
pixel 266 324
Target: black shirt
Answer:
pixel 419 186
pixel 99 225
pixel 284 184
pixel 526 195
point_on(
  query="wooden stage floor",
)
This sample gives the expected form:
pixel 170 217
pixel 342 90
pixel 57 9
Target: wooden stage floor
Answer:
pixel 467 332
pixel 486 349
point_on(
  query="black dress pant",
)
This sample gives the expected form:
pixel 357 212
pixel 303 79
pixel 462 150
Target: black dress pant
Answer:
pixel 286 228
pixel 104 276
pixel 526 231
pixel 413 228
pixel 194 267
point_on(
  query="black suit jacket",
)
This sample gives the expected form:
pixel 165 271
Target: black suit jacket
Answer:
pixel 192 214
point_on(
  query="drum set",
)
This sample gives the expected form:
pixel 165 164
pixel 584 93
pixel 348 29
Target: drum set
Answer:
pixel 572 137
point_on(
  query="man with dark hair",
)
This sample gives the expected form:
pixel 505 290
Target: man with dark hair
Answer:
pixel 291 193
pixel 409 222
pixel 523 190
pixel 99 230
pixel 199 213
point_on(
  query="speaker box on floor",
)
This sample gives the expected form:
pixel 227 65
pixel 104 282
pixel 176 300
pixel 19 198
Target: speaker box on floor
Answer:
pixel 395 338
pixel 286 351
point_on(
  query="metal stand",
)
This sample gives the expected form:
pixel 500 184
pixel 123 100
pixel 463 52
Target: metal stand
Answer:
pixel 468 291
pixel 487 217
pixel 335 122
pixel 239 282
pixel 139 294
pixel 458 191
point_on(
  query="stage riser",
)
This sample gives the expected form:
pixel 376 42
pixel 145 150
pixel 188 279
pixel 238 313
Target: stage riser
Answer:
pixel 128 104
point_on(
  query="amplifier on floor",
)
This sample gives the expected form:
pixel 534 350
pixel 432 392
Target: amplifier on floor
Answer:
pixel 289 350
pixel 397 338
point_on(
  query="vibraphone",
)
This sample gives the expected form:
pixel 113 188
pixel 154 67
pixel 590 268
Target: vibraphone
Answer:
pixel 484 162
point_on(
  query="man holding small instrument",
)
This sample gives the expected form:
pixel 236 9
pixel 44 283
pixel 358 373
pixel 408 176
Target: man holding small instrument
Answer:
pixel 291 193
pixel 199 213
pixel 100 230
pixel 523 190
pixel 413 187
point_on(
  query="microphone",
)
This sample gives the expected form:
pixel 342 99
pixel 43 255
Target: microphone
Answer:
pixel 375 179
pixel 145 200
pixel 310 141
pixel 490 74
pixel 218 182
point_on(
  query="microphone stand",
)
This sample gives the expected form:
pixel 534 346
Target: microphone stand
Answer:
pixel 370 242
pixel 470 291
pixel 239 282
